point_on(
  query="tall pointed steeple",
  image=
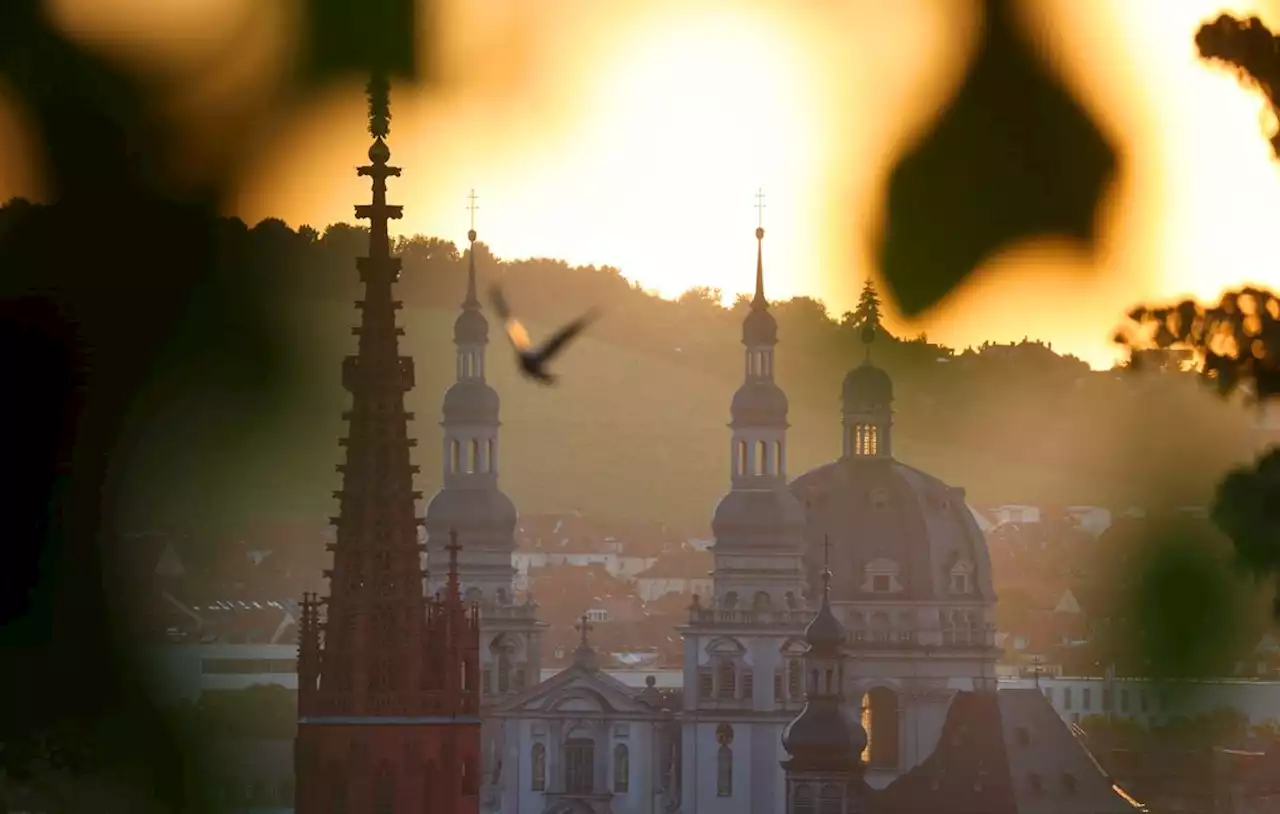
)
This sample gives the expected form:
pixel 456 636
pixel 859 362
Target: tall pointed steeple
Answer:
pixel 759 513
pixel 386 664
pixel 471 502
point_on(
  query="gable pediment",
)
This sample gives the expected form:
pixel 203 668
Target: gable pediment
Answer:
pixel 576 692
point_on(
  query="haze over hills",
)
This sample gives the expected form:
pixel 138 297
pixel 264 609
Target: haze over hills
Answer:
pixel 637 426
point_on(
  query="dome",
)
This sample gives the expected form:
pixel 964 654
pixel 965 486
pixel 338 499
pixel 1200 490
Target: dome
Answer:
pixel 759 328
pixel 471 328
pixel 884 516
pixel 773 517
pixel 824 630
pixel 760 403
pixel 471 402
pixel 486 513
pixel 867 386
pixel 821 736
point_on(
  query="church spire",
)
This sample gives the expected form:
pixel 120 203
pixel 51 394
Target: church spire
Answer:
pixel 759 303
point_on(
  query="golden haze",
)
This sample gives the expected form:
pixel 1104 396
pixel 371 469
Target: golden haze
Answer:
pixel 636 134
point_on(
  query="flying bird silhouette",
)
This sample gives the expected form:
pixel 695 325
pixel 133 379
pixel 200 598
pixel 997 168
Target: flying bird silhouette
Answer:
pixel 533 360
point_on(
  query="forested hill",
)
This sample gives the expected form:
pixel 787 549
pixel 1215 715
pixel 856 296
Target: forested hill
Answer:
pixel 637 427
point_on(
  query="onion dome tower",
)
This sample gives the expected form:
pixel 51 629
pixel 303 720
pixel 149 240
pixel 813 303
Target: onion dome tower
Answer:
pixel 868 407
pixel 470 501
pixel 387 679
pixel 825 741
pixel 759 518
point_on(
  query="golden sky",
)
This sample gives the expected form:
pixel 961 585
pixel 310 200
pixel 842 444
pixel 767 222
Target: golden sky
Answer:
pixel 636 135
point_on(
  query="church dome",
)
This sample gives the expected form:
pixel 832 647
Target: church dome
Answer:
pixel 471 402
pixel 759 328
pixel 867 386
pixel 471 328
pixel 488 511
pixel 896 533
pixel 771 516
pixel 821 736
pixel 759 403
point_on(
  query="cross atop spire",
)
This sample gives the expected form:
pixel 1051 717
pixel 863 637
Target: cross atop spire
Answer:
pixel 760 205
pixel 472 206
pixel 583 627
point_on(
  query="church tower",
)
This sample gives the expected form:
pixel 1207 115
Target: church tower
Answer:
pixel 388 681
pixel 741 664
pixel 472 505
pixel 826 740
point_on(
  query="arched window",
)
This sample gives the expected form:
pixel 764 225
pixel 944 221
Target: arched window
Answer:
pixel 740 462
pixel 579 765
pixel 455 456
pixel 761 601
pixel 804 799
pixel 538 768
pixel 762 458
pixel 621 769
pixel 779 465
pixel 880 720
pixel 493 455
pixel 384 789
pixel 730 600
pixel 724 771
pixel 473 460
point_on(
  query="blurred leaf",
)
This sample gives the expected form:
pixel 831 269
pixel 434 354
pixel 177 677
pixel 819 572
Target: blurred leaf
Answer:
pixel 1181 610
pixel 1247 509
pixel 361 36
pixel 1248 46
pixel 1013 157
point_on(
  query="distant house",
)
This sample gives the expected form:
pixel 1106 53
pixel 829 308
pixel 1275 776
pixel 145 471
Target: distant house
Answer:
pixel 684 573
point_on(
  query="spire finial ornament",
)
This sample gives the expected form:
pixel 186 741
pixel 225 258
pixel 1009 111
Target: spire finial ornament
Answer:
pixel 583 627
pixel 759 303
pixel 472 302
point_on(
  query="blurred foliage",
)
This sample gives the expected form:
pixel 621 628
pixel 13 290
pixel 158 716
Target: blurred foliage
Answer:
pixel 1247 46
pixel 257 712
pixel 1223 726
pixel 1178 607
pixel 141 332
pixel 1235 344
pixel 1013 157
pixel 1247 509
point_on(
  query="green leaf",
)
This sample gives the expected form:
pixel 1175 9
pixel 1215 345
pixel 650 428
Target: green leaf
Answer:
pixel 1013 157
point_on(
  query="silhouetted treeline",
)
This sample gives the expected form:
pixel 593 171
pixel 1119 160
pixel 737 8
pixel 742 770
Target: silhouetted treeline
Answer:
pixel 638 427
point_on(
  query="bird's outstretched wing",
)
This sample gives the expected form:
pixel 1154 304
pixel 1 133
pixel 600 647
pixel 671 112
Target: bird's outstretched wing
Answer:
pixel 553 345
pixel 516 332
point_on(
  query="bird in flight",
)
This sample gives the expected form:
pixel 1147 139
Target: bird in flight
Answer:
pixel 533 360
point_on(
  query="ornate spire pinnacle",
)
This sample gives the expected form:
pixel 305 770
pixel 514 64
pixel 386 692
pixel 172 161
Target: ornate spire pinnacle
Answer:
pixel 453 589
pixel 378 91
pixel 759 303
pixel 471 303
pixel 585 655
pixel 826 569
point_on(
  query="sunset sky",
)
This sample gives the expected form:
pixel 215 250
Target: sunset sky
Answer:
pixel 636 134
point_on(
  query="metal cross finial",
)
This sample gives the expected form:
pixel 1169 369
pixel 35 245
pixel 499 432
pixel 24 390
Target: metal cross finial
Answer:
pixel 826 550
pixel 760 204
pixel 454 546
pixel 583 627
pixel 472 207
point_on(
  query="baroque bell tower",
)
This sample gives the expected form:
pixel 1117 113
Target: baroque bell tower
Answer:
pixel 388 680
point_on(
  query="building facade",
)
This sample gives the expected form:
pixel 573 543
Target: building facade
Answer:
pixel 388 680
